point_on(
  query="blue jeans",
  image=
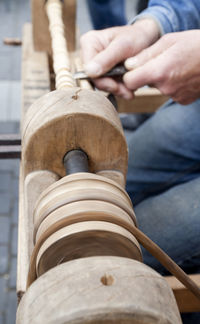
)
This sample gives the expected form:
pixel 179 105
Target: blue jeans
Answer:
pixel 107 13
pixel 164 182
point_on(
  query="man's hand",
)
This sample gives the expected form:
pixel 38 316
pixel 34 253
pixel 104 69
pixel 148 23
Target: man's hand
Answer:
pixel 102 50
pixel 172 65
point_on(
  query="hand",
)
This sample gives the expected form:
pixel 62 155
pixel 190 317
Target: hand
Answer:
pixel 102 50
pixel 172 65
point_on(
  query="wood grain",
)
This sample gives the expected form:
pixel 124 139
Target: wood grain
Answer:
pixel 86 239
pixel 80 187
pixel 186 301
pixel 80 211
pixel 99 290
pixel 35 72
pixel 73 119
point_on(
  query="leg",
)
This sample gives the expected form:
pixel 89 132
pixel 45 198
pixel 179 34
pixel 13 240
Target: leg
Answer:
pixel 171 219
pixel 164 167
pixel 164 151
pixel 107 13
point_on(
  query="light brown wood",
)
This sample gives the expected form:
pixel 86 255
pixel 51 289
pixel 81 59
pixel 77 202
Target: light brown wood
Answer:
pixel 186 301
pixel 113 175
pixel 12 41
pixel 35 71
pixel 80 187
pixel 41 35
pixel 146 100
pixel 81 211
pixel 99 290
pixel 86 239
pixel 73 119
pixel 35 83
pixel 35 183
pixel 61 59
pixel 30 190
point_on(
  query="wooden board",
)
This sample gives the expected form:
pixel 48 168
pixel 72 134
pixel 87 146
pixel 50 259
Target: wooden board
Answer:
pixel 146 100
pixel 35 83
pixel 35 71
pixel 186 301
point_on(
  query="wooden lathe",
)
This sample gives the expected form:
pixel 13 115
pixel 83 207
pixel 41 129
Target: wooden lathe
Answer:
pixel 79 260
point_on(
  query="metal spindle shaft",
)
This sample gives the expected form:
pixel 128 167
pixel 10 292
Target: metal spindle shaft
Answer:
pixel 76 161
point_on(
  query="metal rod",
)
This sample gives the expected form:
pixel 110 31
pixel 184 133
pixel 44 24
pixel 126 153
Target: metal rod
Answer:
pixel 76 161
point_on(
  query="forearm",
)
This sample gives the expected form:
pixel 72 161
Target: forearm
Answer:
pixel 173 15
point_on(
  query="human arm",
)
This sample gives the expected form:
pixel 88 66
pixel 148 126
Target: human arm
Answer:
pixel 172 15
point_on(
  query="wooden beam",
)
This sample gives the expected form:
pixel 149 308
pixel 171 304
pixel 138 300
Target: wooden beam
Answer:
pixel 35 83
pixel 35 71
pixel 146 100
pixel 186 301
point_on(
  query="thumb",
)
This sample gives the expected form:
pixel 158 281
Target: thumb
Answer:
pixel 117 51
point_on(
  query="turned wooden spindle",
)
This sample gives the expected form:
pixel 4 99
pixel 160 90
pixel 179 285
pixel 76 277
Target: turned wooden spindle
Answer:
pixel 61 59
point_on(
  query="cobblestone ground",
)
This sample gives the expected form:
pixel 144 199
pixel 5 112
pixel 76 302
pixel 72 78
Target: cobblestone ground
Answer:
pixel 9 173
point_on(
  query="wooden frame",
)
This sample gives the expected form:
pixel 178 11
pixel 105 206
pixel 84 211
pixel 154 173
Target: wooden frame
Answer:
pixel 36 83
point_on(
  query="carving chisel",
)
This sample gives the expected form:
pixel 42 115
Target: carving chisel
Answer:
pixel 118 70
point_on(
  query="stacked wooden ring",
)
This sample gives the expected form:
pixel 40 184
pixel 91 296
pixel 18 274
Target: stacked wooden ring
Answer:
pixel 79 216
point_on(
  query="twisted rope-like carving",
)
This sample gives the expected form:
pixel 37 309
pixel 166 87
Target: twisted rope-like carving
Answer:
pixel 61 61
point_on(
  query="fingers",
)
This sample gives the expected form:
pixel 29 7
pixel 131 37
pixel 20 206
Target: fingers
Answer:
pixel 148 74
pixel 107 58
pixel 91 45
pixel 104 49
pixel 114 87
pixel 149 53
pixel 94 46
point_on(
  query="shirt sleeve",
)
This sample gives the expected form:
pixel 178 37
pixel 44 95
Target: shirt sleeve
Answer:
pixel 173 15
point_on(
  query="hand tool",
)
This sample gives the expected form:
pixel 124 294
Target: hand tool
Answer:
pixel 118 70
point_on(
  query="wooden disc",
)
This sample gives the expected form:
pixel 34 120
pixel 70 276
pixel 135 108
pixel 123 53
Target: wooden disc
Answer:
pixel 85 239
pixel 80 187
pixel 64 120
pixel 79 211
pixel 99 290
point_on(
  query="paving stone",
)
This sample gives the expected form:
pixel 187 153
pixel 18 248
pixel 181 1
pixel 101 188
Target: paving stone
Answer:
pixel 13 274
pixel 9 165
pixel 3 259
pixel 15 187
pixel 5 201
pixel 2 321
pixel 16 166
pixel 11 308
pixel 15 212
pixel 5 222
pixel 14 236
pixel 5 181
pixel 9 127
pixel 3 294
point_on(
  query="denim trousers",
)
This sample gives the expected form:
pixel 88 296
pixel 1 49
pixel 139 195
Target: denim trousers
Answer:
pixel 163 182
pixel 107 13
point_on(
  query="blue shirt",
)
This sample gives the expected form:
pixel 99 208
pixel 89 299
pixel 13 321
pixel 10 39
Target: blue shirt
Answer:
pixel 173 15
